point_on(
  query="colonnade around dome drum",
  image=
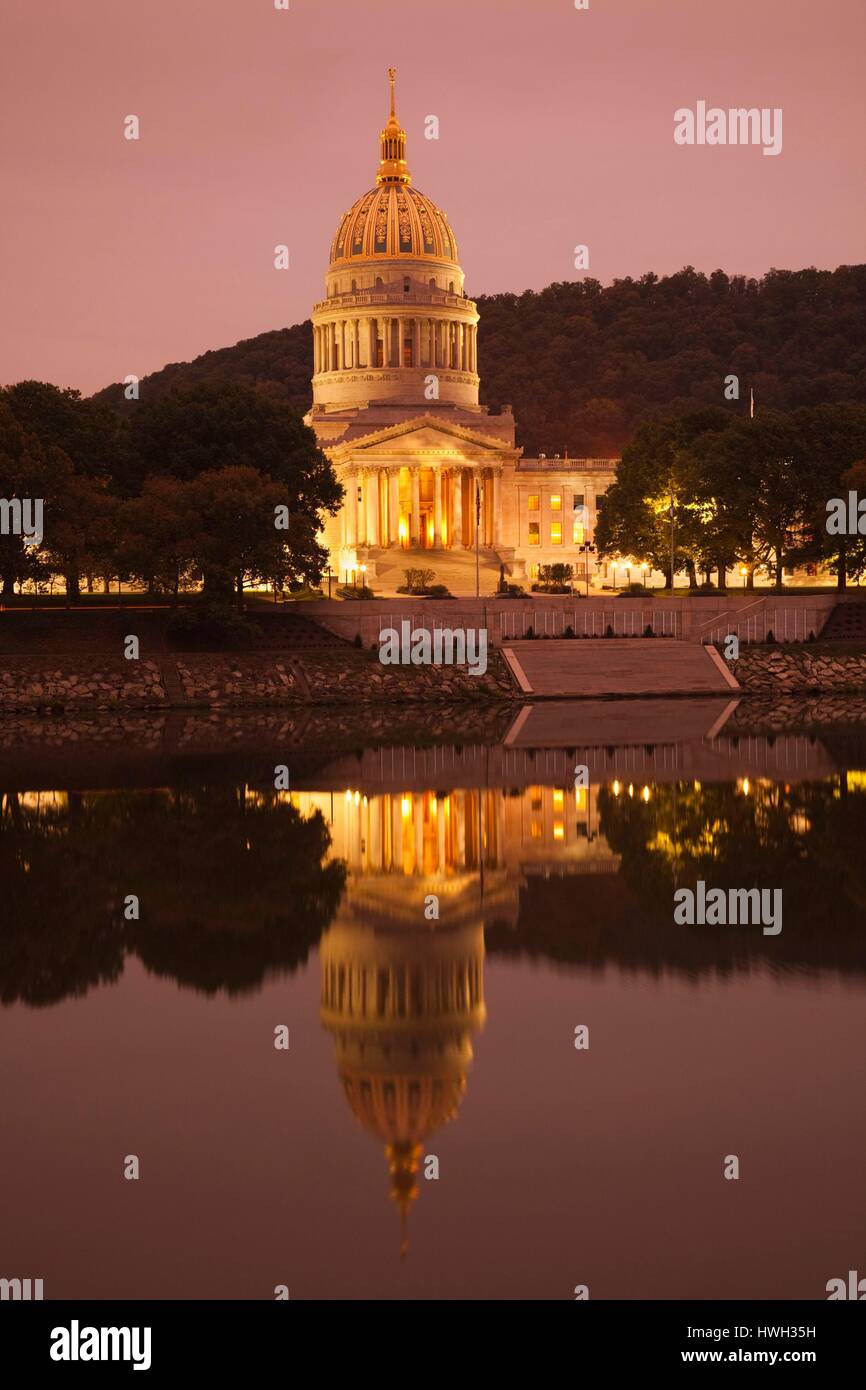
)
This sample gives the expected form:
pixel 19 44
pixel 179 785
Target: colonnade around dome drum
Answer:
pixel 417 505
pixel 387 341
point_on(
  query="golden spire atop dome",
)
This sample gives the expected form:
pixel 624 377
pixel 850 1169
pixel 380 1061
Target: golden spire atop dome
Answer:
pixel 392 144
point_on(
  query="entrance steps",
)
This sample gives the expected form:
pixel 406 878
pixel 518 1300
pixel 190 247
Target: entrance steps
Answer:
pixel 453 568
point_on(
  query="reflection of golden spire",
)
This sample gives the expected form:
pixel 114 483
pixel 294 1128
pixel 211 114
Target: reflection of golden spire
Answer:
pixel 392 144
pixel 403 1165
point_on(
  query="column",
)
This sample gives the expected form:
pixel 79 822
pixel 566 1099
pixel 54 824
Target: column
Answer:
pixel 496 537
pixel 397 833
pixel 461 346
pixel 357 353
pixel 362 507
pixel 371 342
pixel 374 843
pixel 442 859
pixel 437 508
pixel 487 533
pixel 418 826
pixel 394 507
pixel 431 343
pixel 457 510
pixel 350 504
pixel 416 342
pixel 371 497
pixel 415 533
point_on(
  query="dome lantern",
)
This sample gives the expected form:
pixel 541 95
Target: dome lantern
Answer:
pixel 392 145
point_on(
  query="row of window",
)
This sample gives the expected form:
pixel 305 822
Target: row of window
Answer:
pixel 555 501
pixel 578 533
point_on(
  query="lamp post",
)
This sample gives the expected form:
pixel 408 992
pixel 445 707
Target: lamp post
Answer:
pixel 744 572
pixel 363 579
pixel 643 574
pixel 613 574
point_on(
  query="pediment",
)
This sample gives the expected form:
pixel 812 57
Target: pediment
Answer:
pixel 423 435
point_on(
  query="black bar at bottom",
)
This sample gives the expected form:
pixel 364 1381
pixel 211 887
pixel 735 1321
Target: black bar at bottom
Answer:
pixel 216 1338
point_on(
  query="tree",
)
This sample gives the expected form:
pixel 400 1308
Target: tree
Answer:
pixel 235 537
pixel 88 432
pixel 761 467
pixel 156 536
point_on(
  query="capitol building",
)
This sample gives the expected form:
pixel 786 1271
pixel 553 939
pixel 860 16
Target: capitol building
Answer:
pixel 427 470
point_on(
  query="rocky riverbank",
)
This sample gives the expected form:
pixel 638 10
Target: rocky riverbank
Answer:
pixel 798 671
pixel 217 680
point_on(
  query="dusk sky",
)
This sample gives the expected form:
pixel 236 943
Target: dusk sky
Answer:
pixel 260 127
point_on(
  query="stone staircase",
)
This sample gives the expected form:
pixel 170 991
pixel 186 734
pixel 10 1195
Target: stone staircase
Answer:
pixel 453 568
pixel 846 623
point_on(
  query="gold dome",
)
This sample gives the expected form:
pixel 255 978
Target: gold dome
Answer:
pixel 393 219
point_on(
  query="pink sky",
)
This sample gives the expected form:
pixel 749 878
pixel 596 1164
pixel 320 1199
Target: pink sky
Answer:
pixel 260 127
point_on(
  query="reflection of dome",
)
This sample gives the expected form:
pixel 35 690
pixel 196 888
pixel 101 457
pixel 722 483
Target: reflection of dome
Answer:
pixel 393 219
pixel 401 1007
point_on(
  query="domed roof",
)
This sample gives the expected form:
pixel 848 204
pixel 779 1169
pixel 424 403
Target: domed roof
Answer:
pixel 393 219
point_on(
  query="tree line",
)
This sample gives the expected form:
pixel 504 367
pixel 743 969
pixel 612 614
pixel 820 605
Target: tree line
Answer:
pixel 585 364
pixel 727 491
pixel 185 490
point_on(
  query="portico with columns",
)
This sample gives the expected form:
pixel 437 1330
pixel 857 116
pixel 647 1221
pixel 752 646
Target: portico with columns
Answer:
pixel 411 487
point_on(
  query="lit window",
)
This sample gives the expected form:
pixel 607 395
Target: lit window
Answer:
pixel 536 830
pixel 534 533
pixel 578 533
pixel 533 571
pixel 558 830
pixel 533 501
pixel 556 502
pixel 556 533
pixel 558 799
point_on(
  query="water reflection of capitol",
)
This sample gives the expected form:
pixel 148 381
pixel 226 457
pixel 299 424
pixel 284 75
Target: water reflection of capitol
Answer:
pixel 403 994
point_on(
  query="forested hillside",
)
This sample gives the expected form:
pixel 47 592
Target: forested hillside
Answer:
pixel 584 364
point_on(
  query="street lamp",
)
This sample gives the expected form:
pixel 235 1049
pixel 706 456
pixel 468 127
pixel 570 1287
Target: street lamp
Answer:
pixel 363 578
pixel 613 574
pixel 744 572
pixel 643 574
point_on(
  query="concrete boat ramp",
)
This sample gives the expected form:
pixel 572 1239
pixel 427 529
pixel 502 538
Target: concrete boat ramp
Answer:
pixel 587 667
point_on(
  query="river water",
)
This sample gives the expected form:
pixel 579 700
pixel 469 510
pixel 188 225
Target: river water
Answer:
pixel 431 920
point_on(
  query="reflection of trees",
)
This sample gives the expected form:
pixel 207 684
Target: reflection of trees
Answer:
pixel 230 888
pixel 806 839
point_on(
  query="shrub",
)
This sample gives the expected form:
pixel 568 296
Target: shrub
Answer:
pixel 770 636
pixel 609 632
pixel 350 591
pixel 205 625
pixel 633 591
pixel 530 633
pixel 569 631
pixel 356 641
pixel 648 630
